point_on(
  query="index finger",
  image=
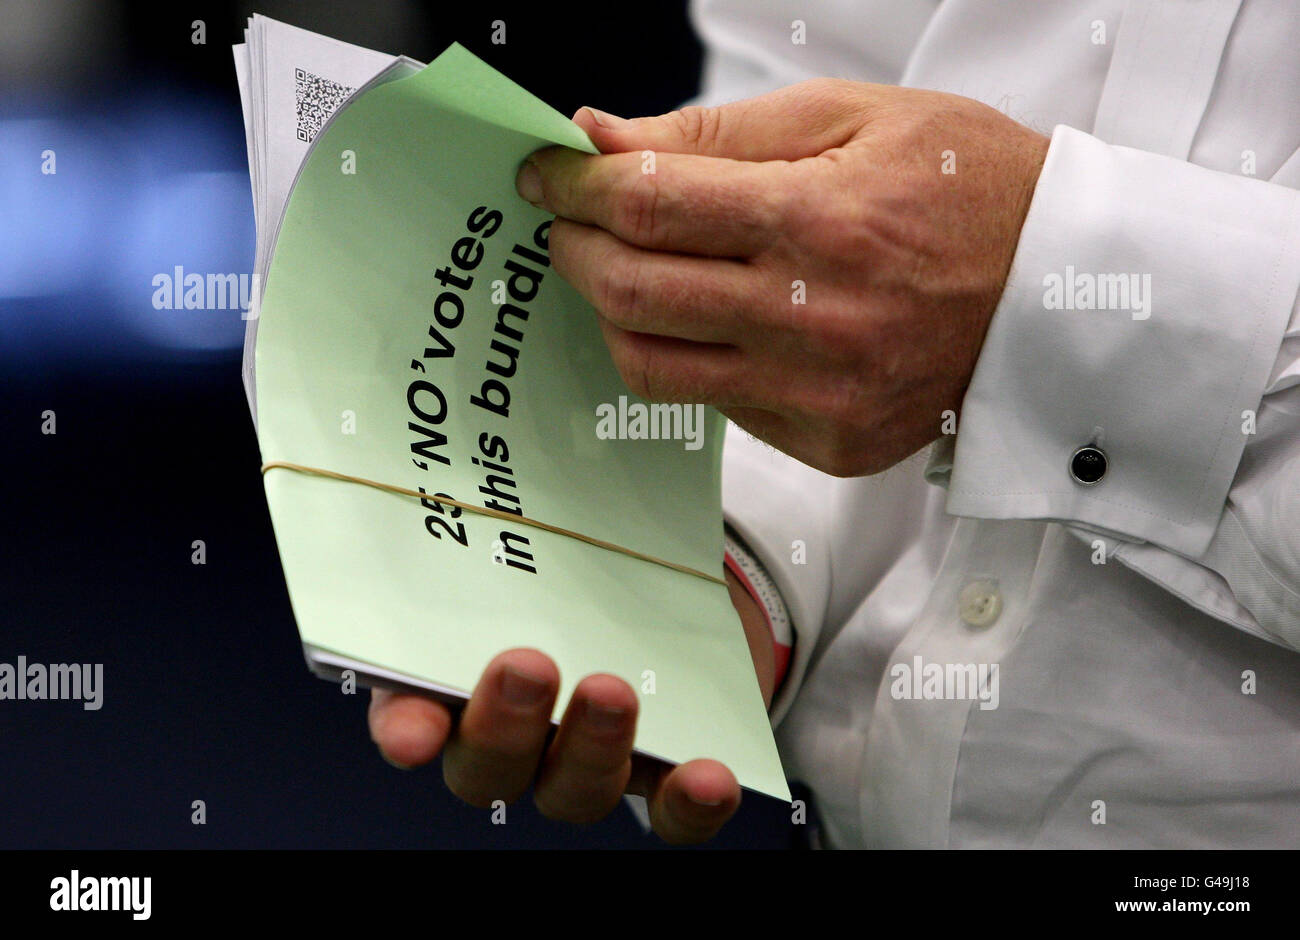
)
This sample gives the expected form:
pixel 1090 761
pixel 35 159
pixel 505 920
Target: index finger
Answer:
pixel 663 201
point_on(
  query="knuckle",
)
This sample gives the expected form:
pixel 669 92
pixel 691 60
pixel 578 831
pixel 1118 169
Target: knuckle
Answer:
pixel 825 87
pixel 559 247
pixel 482 779
pixel 583 797
pixel 640 205
pixel 511 747
pixel 562 187
pixel 595 760
pixel 806 211
pixel 776 200
pixel 821 224
pixel 620 294
pixel 699 127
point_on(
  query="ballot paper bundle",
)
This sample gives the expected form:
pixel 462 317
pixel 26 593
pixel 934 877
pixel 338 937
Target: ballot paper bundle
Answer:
pixel 408 330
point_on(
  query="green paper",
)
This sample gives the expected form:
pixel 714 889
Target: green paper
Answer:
pixel 344 332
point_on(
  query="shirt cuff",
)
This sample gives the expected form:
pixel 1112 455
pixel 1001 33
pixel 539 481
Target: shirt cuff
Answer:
pixel 1143 314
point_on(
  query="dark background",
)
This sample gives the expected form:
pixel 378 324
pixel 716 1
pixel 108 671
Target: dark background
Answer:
pixel 206 695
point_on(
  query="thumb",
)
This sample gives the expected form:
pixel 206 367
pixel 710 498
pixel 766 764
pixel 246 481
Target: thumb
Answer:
pixel 787 124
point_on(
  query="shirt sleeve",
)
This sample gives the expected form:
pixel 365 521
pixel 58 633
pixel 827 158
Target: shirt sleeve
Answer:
pixel 1150 318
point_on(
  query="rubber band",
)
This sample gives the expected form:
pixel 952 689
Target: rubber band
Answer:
pixel 494 513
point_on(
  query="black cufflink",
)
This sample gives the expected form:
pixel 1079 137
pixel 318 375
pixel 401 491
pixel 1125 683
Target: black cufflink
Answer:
pixel 1088 465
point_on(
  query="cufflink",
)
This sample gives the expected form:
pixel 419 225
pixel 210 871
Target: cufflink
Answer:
pixel 1088 465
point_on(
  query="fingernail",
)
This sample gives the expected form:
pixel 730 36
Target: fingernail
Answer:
pixel 698 801
pixel 607 121
pixel 604 718
pixel 522 690
pixel 529 183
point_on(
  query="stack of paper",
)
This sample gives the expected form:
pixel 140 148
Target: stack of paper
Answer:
pixel 411 331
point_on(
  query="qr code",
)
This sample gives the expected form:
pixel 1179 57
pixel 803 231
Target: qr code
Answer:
pixel 316 99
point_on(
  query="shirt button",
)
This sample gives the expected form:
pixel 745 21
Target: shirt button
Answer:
pixel 1088 465
pixel 979 603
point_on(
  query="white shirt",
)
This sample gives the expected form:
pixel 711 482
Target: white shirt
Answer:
pixel 1145 629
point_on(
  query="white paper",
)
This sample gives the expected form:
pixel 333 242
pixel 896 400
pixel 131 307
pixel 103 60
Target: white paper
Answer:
pixel 271 65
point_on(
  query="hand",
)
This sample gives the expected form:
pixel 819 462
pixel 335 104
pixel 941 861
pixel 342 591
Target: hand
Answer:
pixel 502 743
pixel 839 186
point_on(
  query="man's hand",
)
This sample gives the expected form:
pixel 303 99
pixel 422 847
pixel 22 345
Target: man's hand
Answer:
pixel 503 744
pixel 820 263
